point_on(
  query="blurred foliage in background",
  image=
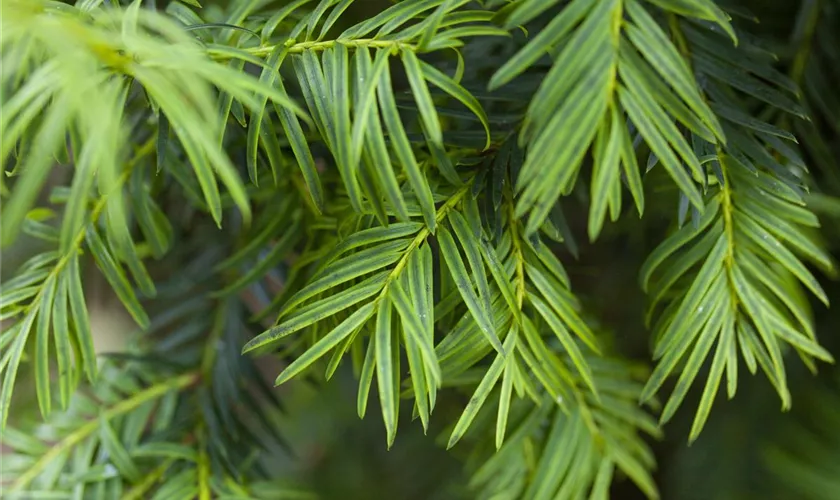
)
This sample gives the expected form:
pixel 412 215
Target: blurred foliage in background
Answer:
pixel 398 209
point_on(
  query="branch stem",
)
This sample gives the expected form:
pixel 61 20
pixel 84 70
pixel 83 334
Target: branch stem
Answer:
pixel 424 234
pixel 138 491
pixel 293 47
pixel 125 406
